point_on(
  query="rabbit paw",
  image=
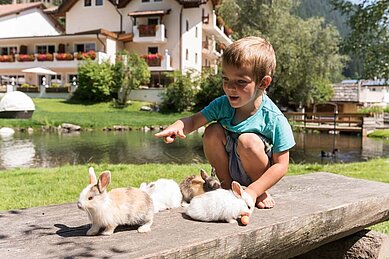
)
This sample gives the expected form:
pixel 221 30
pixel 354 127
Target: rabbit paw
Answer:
pixel 144 229
pixel 108 231
pixel 92 231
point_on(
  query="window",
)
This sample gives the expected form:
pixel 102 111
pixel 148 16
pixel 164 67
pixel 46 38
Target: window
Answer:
pixel 196 31
pixel 43 49
pixel 187 25
pixel 145 1
pixel 85 47
pixel 153 21
pixel 99 2
pixel 152 50
pixel 87 2
pixel 195 58
pixel 186 54
pixel 7 79
pixel 56 79
pixel 8 50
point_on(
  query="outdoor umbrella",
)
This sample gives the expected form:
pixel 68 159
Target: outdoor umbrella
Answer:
pixel 39 71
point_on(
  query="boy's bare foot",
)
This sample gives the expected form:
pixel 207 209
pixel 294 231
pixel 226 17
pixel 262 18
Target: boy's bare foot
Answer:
pixel 265 201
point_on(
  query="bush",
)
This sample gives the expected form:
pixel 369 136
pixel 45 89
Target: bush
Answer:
pixel 179 94
pixel 211 87
pixel 95 81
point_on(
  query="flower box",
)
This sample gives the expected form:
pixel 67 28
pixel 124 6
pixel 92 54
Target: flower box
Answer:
pixel 84 55
pixel 45 57
pixel 59 89
pixel 7 58
pixel 153 60
pixel 26 57
pixel 30 89
pixel 64 56
pixel 147 30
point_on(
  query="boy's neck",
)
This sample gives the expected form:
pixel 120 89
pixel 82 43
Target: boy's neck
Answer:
pixel 247 111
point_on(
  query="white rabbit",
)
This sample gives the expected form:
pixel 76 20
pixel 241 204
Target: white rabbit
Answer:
pixel 221 205
pixel 120 206
pixel 165 194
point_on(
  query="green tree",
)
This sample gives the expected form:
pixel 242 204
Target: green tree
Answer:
pixel 131 71
pixel 95 81
pixel 179 94
pixel 369 37
pixel 211 87
pixel 307 51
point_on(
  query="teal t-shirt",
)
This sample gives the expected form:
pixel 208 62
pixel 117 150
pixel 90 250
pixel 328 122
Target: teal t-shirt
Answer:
pixel 268 121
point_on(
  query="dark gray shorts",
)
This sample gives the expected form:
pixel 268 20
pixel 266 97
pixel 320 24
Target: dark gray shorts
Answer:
pixel 237 171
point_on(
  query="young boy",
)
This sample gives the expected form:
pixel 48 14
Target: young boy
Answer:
pixel 251 138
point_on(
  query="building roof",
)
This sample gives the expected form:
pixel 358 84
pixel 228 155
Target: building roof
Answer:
pixel 8 9
pixel 149 13
pixel 68 4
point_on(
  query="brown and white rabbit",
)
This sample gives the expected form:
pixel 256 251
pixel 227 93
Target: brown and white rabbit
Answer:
pixel 120 206
pixel 221 205
pixel 195 185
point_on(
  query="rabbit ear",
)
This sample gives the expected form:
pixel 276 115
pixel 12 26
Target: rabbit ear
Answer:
pixel 203 174
pixel 237 189
pixel 92 176
pixel 104 180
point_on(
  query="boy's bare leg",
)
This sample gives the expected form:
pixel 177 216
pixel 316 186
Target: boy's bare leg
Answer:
pixel 214 141
pixel 255 162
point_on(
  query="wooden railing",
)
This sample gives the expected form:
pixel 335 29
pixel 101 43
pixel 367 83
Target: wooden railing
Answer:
pixel 328 120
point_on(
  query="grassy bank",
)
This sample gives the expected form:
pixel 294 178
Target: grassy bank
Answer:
pixel 53 112
pixel 383 133
pixel 23 188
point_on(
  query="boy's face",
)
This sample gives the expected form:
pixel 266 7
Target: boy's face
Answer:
pixel 239 86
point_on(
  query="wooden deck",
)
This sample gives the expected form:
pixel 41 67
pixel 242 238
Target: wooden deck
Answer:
pixel 311 210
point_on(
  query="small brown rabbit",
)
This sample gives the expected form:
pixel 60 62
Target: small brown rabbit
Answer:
pixel 120 206
pixel 195 185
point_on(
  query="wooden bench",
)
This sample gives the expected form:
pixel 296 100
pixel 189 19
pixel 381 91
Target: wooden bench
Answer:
pixel 312 210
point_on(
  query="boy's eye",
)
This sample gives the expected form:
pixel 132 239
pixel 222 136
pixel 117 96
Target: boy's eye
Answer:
pixel 241 82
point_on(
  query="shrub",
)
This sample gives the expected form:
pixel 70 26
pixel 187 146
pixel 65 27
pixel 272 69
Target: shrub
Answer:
pixel 95 81
pixel 211 87
pixel 179 95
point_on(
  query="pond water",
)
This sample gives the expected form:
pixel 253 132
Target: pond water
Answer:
pixel 52 149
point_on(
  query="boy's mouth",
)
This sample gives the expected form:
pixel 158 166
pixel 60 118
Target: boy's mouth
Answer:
pixel 233 98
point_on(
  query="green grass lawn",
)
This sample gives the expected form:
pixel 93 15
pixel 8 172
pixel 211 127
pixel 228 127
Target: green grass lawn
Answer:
pixel 53 112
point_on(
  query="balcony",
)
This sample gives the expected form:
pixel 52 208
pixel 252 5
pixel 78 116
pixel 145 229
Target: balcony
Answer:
pixel 158 62
pixel 211 28
pixel 149 33
pixel 62 60
pixel 212 49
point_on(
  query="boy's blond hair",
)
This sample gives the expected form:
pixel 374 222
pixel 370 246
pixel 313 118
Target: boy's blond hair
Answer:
pixel 253 52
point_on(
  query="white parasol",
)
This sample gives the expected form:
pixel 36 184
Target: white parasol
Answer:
pixel 39 71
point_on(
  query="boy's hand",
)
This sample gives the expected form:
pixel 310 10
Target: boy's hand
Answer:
pixel 169 135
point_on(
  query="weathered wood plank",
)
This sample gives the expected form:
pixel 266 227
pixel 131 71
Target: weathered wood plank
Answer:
pixel 311 210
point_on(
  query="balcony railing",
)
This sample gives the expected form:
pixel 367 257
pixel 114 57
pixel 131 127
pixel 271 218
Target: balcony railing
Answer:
pixel 158 62
pixel 149 33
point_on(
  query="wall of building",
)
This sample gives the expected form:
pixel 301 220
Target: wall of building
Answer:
pixel 81 18
pixel 32 22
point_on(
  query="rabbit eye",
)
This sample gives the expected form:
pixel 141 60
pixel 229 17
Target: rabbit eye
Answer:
pixel 90 198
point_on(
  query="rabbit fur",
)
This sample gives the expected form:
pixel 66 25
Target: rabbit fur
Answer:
pixel 195 185
pixel 221 205
pixel 120 206
pixel 165 194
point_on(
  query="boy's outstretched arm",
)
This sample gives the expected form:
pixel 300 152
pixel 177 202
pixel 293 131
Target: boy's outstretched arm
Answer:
pixel 182 127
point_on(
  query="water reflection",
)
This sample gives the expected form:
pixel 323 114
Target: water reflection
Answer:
pixel 49 150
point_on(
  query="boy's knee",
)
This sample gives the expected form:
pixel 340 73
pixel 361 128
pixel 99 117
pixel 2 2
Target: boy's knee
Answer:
pixel 250 143
pixel 214 131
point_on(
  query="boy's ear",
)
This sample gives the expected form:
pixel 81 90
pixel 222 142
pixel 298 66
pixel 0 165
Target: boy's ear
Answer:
pixel 265 82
